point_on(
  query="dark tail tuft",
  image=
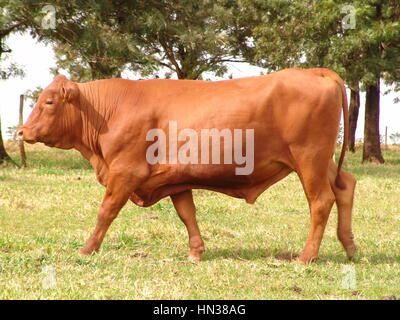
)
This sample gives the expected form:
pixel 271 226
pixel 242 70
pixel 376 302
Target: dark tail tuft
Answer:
pixel 339 182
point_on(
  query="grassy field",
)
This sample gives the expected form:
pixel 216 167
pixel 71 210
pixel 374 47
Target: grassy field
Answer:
pixel 48 211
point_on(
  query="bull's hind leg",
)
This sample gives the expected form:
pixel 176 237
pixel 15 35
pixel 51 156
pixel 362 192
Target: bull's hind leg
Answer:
pixel 344 202
pixel 184 205
pixel 320 199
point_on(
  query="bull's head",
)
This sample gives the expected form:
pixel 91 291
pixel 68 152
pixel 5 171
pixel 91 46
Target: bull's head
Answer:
pixel 54 117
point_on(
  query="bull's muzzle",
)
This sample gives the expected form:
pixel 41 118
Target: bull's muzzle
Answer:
pixel 21 134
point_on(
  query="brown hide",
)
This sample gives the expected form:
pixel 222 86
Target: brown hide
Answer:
pixel 295 115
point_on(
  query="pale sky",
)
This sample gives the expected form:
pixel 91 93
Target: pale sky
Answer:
pixel 36 60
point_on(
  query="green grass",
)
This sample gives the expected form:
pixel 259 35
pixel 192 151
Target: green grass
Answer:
pixel 48 211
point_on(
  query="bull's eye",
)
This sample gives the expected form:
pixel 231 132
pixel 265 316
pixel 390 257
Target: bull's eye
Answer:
pixel 49 102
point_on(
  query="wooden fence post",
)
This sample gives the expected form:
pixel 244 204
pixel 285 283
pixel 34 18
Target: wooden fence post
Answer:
pixel 386 138
pixel 20 123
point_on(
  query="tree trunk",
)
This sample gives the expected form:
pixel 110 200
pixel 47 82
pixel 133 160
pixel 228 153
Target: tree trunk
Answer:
pixel 372 144
pixel 3 153
pixel 353 117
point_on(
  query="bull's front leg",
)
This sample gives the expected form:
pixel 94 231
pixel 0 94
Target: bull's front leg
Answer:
pixel 120 186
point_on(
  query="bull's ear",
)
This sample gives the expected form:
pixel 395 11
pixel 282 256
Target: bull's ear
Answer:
pixel 69 91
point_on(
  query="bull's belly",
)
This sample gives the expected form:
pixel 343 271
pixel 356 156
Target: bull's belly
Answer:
pixel 244 187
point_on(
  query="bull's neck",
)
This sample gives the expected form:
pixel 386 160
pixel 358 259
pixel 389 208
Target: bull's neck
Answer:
pixel 97 106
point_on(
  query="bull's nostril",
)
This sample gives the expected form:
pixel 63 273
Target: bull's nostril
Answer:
pixel 20 133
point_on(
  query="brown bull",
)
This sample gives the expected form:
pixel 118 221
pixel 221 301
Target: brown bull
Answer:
pixel 294 115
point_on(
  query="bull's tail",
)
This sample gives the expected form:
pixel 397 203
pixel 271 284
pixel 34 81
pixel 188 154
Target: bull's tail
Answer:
pixel 339 181
pixel 335 77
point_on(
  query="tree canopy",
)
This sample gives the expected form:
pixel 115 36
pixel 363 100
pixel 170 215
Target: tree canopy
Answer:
pixel 99 39
pixel 318 33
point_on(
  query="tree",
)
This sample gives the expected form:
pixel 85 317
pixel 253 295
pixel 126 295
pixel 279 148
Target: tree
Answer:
pixel 3 153
pixel 321 34
pixel 354 109
pixel 186 37
pixel 100 39
pixel 83 46
pixel 8 24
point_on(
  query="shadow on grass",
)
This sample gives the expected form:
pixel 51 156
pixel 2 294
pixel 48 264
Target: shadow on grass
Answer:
pixel 373 259
pixel 383 258
pixel 249 254
pixel 253 254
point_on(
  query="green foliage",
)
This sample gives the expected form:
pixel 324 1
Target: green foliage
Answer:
pixel 33 95
pixel 10 70
pixel 100 39
pixel 9 22
pixel 312 34
pixel 82 45
pixel 187 37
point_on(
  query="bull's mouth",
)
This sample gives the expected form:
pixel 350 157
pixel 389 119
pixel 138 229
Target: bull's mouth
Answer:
pixel 33 141
pixel 48 144
pixel 28 137
pixel 30 141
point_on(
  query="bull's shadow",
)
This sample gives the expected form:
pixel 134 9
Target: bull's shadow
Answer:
pixel 282 255
pixel 250 254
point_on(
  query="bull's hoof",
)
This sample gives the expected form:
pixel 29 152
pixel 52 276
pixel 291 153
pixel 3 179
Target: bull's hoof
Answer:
pixel 195 254
pixel 196 248
pixel 86 252
pixel 193 258
pixel 306 259
pixel 350 251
